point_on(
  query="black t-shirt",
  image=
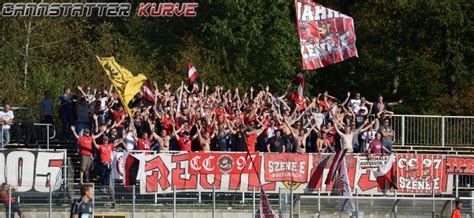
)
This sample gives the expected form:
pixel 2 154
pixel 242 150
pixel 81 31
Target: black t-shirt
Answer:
pixel 276 144
pixel 83 209
pixel 240 142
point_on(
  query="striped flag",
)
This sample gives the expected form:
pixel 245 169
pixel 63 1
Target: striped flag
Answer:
pixel 386 174
pixel 335 165
pixel 148 92
pixel 343 186
pixel 193 77
pixel 134 166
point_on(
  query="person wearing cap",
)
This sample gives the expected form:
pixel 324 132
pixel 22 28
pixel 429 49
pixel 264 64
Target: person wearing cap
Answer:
pixel 85 150
pixel 105 150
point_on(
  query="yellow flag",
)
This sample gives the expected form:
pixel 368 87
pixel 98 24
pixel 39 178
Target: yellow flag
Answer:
pixel 126 85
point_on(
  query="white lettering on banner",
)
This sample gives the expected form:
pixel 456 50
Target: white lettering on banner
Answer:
pixel 206 164
pixel 302 167
pixel 406 183
pixel 20 170
pixel 31 170
pixel 194 163
pixel 413 162
pixel 48 172
pixel 316 12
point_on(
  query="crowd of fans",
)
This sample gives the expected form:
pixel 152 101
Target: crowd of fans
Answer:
pixel 197 119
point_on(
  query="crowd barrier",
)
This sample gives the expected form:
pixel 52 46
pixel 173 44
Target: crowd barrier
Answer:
pixel 433 130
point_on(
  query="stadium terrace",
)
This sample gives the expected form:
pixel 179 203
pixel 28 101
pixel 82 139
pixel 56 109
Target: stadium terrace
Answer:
pixel 66 9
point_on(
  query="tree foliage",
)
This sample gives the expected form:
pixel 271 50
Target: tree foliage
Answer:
pixel 419 50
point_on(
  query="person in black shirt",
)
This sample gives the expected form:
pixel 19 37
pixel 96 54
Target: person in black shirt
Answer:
pixel 82 207
pixel 276 143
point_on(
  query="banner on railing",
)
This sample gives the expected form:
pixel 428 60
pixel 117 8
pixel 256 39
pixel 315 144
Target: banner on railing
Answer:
pixel 165 171
pixel 460 165
pixel 421 173
pixel 32 170
pixel 288 167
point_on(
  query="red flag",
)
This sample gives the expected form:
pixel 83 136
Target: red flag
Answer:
pixel 335 165
pixel 326 36
pixel 265 207
pixel 148 92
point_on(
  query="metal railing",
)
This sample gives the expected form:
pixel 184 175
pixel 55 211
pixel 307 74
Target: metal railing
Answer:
pixel 128 201
pixel 48 129
pixel 433 130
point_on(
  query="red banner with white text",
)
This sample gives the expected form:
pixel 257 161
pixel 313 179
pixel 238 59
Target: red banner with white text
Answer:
pixel 460 165
pixel 289 167
pixel 421 173
pixel 163 171
pixel 326 36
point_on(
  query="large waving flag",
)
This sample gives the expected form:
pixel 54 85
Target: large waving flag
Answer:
pixel 326 35
pixel 126 85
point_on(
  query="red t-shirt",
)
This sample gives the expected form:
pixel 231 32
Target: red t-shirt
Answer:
pixel 376 147
pixel 85 145
pixel 251 139
pixel 144 144
pixel 184 146
pixel 6 199
pixel 106 152
pixel 456 214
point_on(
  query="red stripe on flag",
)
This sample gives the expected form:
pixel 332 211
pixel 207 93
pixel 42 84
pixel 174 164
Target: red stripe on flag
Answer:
pixel 148 92
pixel 335 165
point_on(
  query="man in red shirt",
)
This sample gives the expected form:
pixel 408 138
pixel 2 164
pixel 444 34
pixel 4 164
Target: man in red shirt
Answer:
pixel 457 210
pixel 184 141
pixel 106 159
pixel 85 150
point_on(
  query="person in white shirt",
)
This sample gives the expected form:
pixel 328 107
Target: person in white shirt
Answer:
pixel 6 120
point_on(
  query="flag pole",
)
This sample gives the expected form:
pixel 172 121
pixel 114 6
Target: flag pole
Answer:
pixel 179 100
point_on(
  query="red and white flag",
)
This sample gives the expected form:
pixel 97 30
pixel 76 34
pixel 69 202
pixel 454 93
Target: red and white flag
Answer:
pixel 148 92
pixel 193 76
pixel 326 36
pixel 335 165
pixel 386 174
pixel 265 207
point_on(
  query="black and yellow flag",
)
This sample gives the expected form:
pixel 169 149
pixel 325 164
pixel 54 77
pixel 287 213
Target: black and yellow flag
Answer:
pixel 126 85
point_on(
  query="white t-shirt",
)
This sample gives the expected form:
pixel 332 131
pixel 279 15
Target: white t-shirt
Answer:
pixel 103 103
pixel 7 116
pixel 129 141
pixel 354 102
